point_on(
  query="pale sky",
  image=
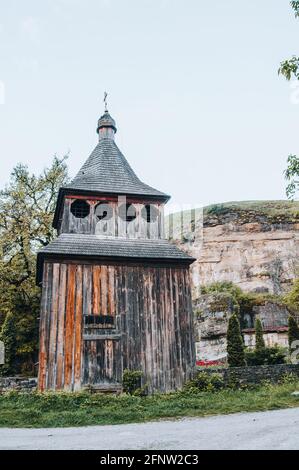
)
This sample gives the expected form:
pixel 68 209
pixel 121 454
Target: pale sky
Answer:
pixel 193 87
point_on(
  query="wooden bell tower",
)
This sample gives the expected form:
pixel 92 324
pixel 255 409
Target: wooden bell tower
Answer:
pixel 115 294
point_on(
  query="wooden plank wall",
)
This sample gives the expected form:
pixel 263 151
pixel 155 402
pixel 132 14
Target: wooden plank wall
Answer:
pixel 61 327
pixel 153 325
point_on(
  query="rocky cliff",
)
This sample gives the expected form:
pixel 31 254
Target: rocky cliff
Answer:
pixel 255 245
pixel 252 244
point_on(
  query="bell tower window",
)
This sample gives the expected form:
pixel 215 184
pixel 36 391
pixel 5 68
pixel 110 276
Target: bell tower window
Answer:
pixel 127 212
pixel 80 209
pixel 104 211
pixel 149 213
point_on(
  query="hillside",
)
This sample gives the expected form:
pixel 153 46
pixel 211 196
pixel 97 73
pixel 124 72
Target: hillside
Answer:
pixel 254 244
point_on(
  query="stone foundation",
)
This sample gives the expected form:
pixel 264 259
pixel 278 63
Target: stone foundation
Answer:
pixel 22 384
pixel 254 374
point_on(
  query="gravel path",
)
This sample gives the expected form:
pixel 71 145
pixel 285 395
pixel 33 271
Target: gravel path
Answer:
pixel 264 430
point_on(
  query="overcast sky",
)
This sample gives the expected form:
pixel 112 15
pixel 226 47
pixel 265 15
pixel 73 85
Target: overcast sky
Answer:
pixel 193 87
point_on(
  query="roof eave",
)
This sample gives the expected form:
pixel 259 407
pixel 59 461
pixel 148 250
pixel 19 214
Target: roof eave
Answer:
pixel 42 256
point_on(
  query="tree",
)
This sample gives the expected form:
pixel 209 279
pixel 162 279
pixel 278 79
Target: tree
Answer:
pixel 259 338
pixel 8 336
pixel 292 176
pixel 292 297
pixel 290 69
pixel 235 345
pixel 26 211
pixel 293 332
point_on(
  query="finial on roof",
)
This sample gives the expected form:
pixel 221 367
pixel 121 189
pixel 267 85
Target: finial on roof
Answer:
pixel 105 101
pixel 106 124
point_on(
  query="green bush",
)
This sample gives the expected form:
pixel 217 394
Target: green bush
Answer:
pixel 132 382
pixel 293 332
pixel 266 356
pixel 204 382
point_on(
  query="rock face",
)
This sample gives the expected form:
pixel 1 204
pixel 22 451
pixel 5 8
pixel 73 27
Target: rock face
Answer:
pixel 252 244
pixel 212 312
pixel 255 245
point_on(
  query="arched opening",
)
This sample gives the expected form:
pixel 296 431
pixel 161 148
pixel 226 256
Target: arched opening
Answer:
pixel 104 211
pixel 149 213
pixel 127 212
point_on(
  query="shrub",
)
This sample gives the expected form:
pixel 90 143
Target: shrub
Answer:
pixel 204 382
pixel 220 287
pixel 235 345
pixel 292 298
pixel 132 382
pixel 266 356
pixel 293 333
pixel 259 338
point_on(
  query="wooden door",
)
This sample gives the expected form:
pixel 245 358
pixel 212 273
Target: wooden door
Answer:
pixel 102 358
pixel 102 363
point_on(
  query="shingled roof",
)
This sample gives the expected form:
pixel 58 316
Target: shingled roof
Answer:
pixel 85 246
pixel 107 171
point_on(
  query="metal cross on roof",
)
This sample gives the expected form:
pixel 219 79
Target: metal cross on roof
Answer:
pixel 105 101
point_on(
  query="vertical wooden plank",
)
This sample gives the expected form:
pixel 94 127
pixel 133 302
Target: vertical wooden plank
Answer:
pixel 111 291
pixel 48 319
pixel 173 362
pixel 78 330
pixel 69 327
pixel 87 290
pixel 104 290
pixel 53 331
pixel 96 290
pixel 60 328
pixel 42 331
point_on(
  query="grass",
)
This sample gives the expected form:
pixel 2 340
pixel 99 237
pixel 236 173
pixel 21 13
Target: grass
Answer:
pixel 287 210
pixel 82 409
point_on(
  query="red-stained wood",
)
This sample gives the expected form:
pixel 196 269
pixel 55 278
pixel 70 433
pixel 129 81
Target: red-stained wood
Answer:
pixel 96 290
pixel 78 329
pixel 69 328
pixel 60 328
pixel 104 291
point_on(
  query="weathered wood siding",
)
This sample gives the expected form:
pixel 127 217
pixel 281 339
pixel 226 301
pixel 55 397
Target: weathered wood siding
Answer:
pixel 115 225
pixel 151 325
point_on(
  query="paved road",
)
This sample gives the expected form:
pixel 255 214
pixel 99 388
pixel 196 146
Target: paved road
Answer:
pixel 267 430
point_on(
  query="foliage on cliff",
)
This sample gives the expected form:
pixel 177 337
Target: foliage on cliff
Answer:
pixel 242 212
pixel 26 211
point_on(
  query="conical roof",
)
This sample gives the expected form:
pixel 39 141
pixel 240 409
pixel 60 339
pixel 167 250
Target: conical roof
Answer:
pixel 107 171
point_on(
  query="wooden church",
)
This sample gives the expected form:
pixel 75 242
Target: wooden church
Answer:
pixel 115 294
